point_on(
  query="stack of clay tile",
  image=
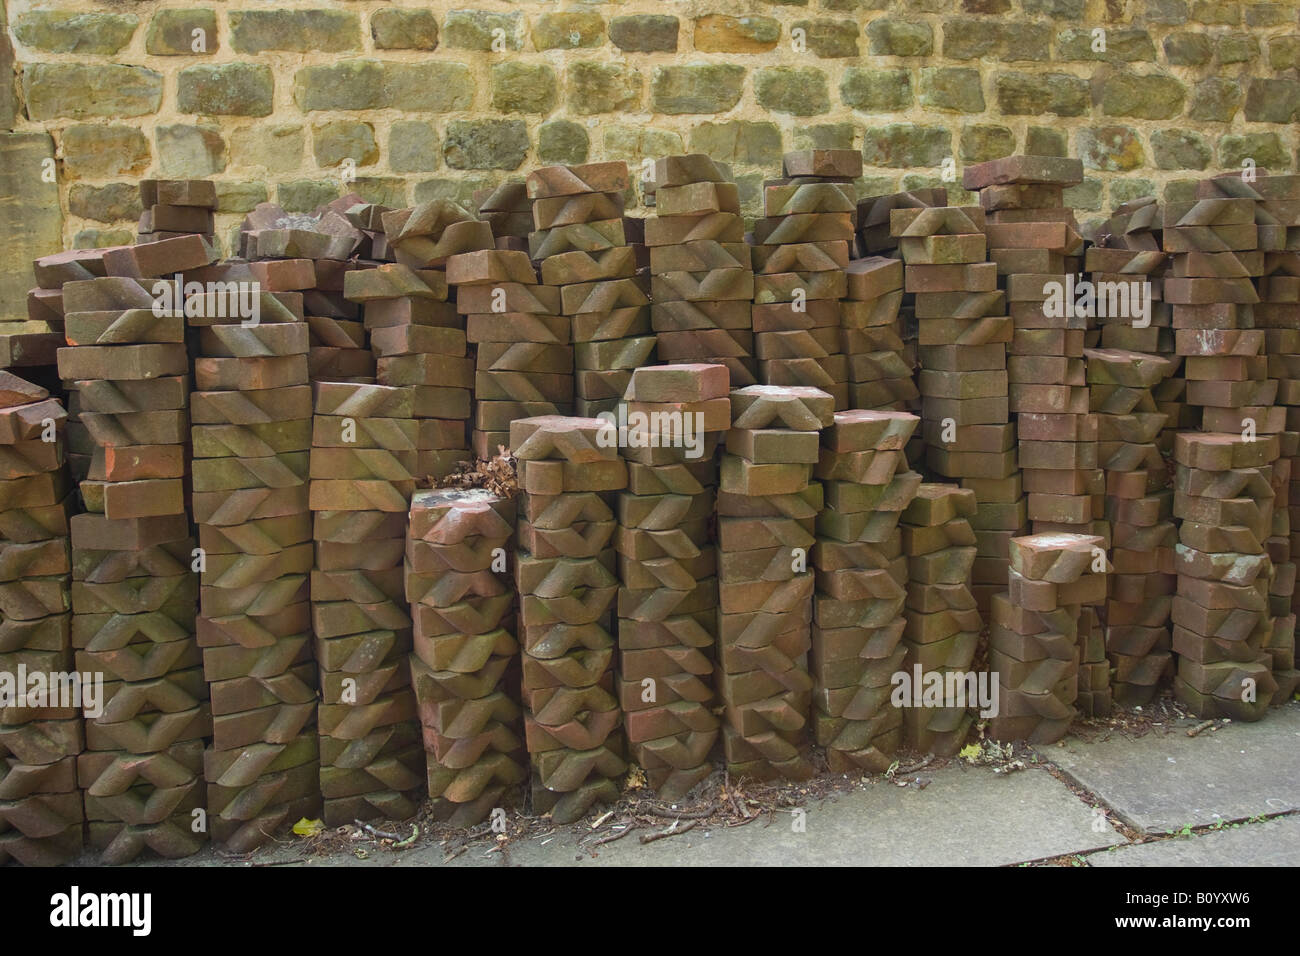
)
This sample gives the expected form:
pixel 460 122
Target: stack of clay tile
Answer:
pixel 411 326
pixel 1219 245
pixel 942 622
pixel 464 659
pixel 767 508
pixel 668 595
pixel 861 577
pixel 1033 240
pixel 873 234
pixel 1142 534
pixel 362 456
pixel 1215 247
pixel 41 811
pixel 1134 249
pixel 1037 634
pixel 176 207
pixel 329 238
pixel 800 253
pixel 35 352
pixel 134 589
pixel 702 282
pixel 522 344
pixel 251 437
pixel 1277 218
pixel 880 371
pixel 32 343
pixel 566 578
pixel 508 210
pixel 368 219
pixel 1221 615
pixel 581 241
pixel 962 336
pixel 425 239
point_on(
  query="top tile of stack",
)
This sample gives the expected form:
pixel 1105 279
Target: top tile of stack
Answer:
pixel 1023 169
pixel 573 180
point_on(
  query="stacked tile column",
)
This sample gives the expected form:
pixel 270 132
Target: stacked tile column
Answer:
pixel 465 653
pixel 941 630
pixel 767 507
pixel 1221 614
pixel 134 589
pixel 800 252
pixel 702 281
pixel 565 576
pixel 880 371
pixel 668 595
pixel 407 314
pixel 608 312
pixel 861 578
pixel 251 438
pixel 41 811
pixel 522 346
pixel 1038 632
pixel 1139 505
pixel 1276 266
pixel 363 453
pixel 175 208
pixel 962 336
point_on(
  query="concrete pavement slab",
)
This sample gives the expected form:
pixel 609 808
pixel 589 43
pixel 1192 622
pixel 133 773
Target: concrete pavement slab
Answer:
pixel 1273 842
pixel 1159 784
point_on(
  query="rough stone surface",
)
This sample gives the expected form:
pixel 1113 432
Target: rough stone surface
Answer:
pixel 1029 93
pixel 1143 97
pixel 300 31
pixel 952 89
pixel 101 152
pixel 404 29
pixel 562 141
pixel 649 33
pixel 1198 81
pixel 485 144
pixel 603 88
pixel 876 91
pixel 981 143
pixel 901 144
pixel 172 33
pixel 340 140
pixel 276 148
pixel 744 143
pixel 30 217
pixel 111 203
pixel 1266 149
pixel 697 88
pixel 568 30
pixel 799 91
pixel 225 89
pixel 79 90
pixel 190 152
pixel 1180 149
pixel 68 31
pixel 473 29
pixel 1110 148
pixel 524 87
pixel 412 147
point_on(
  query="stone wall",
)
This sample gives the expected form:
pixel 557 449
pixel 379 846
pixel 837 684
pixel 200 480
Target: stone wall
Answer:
pixel 282 101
